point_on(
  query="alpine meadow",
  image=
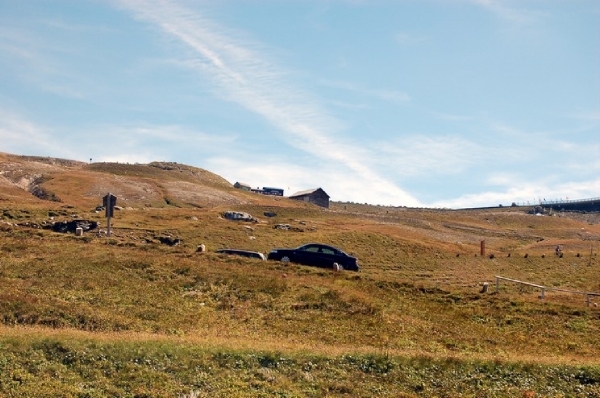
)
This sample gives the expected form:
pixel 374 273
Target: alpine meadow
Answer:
pixel 145 313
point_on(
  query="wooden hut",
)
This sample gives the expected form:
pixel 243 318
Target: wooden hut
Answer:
pixel 242 186
pixel 316 196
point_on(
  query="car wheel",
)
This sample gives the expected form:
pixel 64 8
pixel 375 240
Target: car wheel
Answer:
pixel 285 259
pixel 338 267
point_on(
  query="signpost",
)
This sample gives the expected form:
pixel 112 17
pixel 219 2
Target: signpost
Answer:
pixel 109 201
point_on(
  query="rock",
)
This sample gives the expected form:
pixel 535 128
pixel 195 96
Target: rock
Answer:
pixel 238 216
pixel 71 226
pixel 167 240
pixel 287 227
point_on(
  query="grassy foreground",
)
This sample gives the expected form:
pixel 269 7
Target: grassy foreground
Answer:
pixel 75 365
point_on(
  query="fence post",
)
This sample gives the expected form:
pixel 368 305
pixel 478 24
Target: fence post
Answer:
pixel 543 291
pixel 587 299
pixel 497 284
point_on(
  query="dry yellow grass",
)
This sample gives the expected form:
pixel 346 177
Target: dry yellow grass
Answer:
pixel 418 295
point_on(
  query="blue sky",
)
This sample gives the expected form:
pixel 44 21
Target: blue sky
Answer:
pixel 432 103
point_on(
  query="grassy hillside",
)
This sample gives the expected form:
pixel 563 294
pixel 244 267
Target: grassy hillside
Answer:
pixel 129 316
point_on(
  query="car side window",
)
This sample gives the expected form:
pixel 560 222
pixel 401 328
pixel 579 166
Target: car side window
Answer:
pixel 312 249
pixel 328 251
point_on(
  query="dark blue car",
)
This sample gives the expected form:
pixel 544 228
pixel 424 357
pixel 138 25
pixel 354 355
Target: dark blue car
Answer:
pixel 316 255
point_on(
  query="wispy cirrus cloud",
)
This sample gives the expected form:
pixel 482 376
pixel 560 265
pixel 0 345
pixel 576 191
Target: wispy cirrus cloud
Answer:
pixel 545 140
pixel 585 116
pixel 524 191
pixel 21 44
pixel 242 73
pixel 409 39
pixel 144 143
pixel 57 23
pixel 393 96
pixel 22 136
pixel 38 61
pixel 451 117
pixel 502 9
pixel 420 155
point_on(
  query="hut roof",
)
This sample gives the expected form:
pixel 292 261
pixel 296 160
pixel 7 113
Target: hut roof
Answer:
pixel 307 192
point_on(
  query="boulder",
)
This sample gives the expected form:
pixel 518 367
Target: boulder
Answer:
pixel 238 216
pixel 167 240
pixel 71 226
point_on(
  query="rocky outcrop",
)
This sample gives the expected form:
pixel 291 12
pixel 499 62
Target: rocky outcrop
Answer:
pixel 71 226
pixel 238 216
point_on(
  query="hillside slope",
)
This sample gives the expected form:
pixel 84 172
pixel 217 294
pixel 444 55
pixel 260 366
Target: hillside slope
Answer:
pixel 128 315
pixel 49 183
pixel 75 183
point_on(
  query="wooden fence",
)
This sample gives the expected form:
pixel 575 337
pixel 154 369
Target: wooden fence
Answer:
pixel 545 289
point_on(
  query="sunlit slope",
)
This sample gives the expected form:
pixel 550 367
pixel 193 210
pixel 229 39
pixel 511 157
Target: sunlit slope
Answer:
pixel 416 306
pixel 80 184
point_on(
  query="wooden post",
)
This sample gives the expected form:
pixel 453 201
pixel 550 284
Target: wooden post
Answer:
pixel 497 284
pixel 587 299
pixel 482 248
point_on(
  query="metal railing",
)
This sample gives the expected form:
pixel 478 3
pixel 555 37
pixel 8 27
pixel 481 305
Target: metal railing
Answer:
pixel 565 201
pixel 544 289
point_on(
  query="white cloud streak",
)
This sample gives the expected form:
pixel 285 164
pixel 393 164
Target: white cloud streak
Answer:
pixel 586 117
pixel 243 75
pixel 417 155
pixel 409 39
pixel 392 96
pixel 525 192
pixel 131 149
pixel 19 135
pixel 295 177
pixel 504 11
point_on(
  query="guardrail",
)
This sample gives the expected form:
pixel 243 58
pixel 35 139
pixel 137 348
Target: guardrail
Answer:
pixel 544 202
pixel 544 289
pixel 558 202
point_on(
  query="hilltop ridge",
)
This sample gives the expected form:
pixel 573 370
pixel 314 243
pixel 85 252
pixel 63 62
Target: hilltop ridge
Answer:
pixel 156 184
